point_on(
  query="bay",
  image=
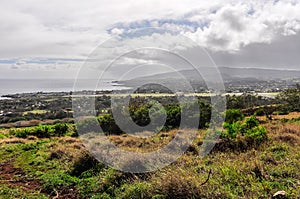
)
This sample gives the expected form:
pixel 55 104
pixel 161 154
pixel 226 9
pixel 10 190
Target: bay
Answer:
pixel 14 86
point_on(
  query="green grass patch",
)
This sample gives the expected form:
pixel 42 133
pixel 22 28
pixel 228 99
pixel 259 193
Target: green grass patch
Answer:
pixel 9 192
pixel 2 136
pixel 43 131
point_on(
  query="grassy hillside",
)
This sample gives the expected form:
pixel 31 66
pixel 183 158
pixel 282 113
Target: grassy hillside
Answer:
pixel 58 166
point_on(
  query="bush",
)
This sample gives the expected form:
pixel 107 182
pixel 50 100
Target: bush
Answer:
pixel 233 115
pixel 18 133
pixel 256 134
pixel 60 129
pixel 250 123
pixel 250 131
pixel 231 130
pixel 41 131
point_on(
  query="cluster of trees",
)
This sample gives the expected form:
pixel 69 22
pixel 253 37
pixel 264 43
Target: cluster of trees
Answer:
pixel 289 100
pixel 246 101
pixel 285 102
pixel 139 113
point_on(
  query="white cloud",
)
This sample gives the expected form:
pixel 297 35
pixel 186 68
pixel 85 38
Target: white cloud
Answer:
pixel 235 26
pixel 73 28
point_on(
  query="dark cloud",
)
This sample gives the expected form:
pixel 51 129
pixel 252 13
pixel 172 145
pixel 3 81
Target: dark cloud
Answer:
pixel 283 52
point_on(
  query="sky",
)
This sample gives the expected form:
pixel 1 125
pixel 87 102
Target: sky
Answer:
pixel 56 39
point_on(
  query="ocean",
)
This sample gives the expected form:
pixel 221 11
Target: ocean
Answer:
pixel 13 86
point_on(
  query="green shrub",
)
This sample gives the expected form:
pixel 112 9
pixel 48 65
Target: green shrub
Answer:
pixel 41 131
pixel 250 130
pixel 231 130
pixel 251 123
pixel 20 133
pixel 2 136
pixel 233 115
pixel 256 134
pixel 60 129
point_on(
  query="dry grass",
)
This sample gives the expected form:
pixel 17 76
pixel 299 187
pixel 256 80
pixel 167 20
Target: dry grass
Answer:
pixel 285 132
pixel 143 143
pixel 13 141
pixel 4 131
pixel 292 115
pixel 65 148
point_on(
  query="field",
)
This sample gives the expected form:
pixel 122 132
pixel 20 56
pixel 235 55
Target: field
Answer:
pixel 60 167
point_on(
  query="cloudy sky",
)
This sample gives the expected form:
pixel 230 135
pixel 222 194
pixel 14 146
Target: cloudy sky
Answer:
pixel 52 39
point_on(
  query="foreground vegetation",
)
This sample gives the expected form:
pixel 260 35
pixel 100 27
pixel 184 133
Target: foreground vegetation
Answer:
pixel 58 166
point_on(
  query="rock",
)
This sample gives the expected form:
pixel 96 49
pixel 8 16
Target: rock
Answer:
pixel 279 194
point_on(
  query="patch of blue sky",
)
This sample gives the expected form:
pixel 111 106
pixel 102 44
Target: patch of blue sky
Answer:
pixel 64 59
pixel 251 11
pixel 144 32
pixel 8 61
pixel 144 27
pixel 40 60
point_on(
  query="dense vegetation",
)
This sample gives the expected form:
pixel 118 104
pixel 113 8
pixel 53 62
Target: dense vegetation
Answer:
pixel 139 113
pixel 290 100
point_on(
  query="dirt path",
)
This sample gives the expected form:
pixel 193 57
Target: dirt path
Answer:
pixel 16 177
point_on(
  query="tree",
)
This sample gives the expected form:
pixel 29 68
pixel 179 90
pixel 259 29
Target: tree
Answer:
pixel 233 115
pixel 290 99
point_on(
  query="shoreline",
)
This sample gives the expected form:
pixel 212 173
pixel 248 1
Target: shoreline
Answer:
pixel 100 93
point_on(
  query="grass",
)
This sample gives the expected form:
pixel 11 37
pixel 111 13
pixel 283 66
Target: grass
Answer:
pixel 37 111
pixel 2 136
pixel 59 166
pixel 290 116
pixel 12 192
